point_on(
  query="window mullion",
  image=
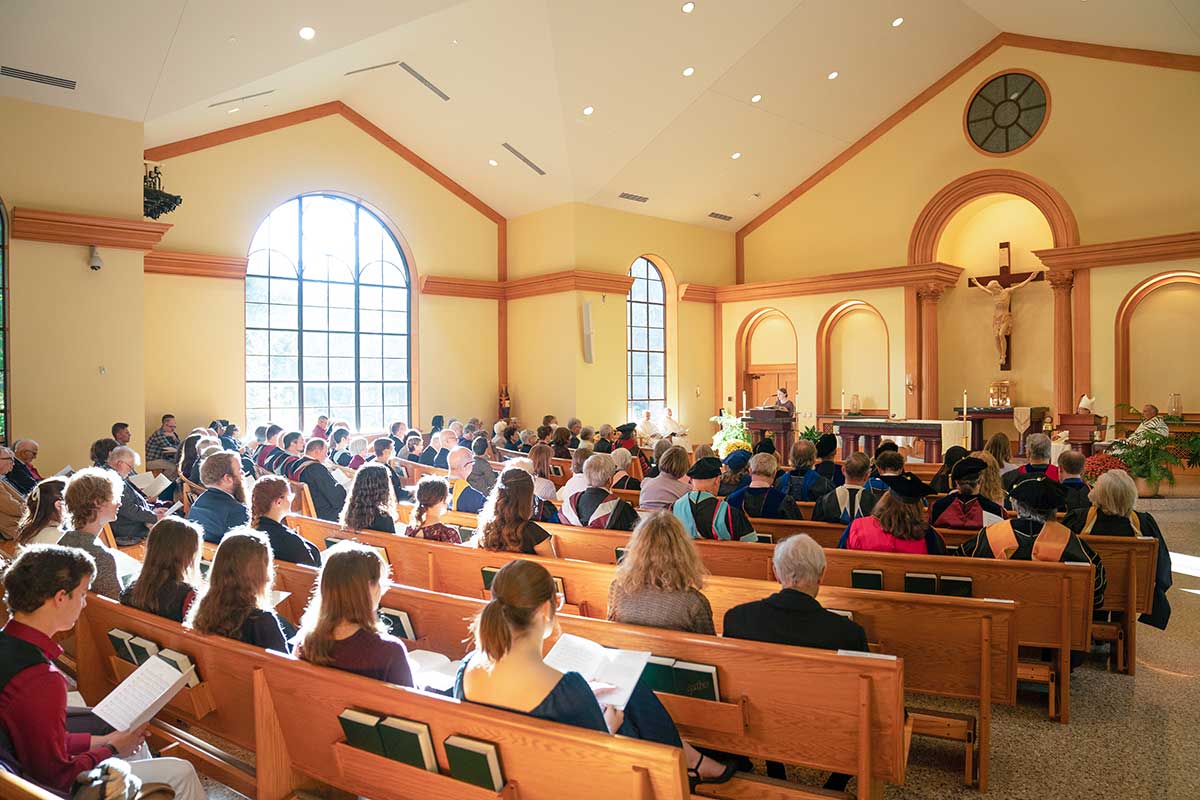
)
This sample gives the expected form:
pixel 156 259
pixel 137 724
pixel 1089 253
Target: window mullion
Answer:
pixel 299 313
pixel 357 332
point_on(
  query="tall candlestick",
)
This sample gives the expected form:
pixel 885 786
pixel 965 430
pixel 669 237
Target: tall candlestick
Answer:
pixel 964 419
pixel 843 402
pixel 743 402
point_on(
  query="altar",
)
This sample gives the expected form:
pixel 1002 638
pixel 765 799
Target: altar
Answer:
pixel 977 414
pixel 930 431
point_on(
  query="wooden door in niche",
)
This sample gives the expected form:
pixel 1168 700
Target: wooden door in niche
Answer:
pixel 762 380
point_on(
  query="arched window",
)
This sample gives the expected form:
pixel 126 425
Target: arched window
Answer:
pixel 327 328
pixel 646 340
pixel 3 326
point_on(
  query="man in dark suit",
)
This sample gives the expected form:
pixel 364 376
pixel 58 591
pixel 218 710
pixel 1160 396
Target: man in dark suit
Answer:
pixel 24 475
pixel 136 514
pixel 793 616
pixel 328 495
pixel 222 506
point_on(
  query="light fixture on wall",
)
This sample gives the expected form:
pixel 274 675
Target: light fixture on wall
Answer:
pixel 94 259
pixel 156 202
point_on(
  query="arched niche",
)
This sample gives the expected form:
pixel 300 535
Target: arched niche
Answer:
pixel 1169 289
pixel 776 341
pixel 865 371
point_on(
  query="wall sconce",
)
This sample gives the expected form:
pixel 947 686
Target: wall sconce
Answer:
pixel 909 386
pixel 94 259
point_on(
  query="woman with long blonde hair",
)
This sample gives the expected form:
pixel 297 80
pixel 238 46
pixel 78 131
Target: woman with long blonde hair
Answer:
pixel 659 579
pixel 990 485
pixel 238 601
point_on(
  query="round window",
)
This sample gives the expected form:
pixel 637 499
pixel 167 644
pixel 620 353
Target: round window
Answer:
pixel 1006 113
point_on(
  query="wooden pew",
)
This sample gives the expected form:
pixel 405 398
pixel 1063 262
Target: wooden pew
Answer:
pixel 14 788
pixel 302 502
pixel 1130 566
pixel 790 704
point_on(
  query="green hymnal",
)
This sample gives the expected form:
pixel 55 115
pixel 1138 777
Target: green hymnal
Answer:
pixel 696 680
pixel 475 762
pixel 398 622
pixel 182 663
pixel 920 583
pixel 955 586
pixel 620 551
pixel 142 649
pixel 488 574
pixel 659 674
pixel 362 731
pixel 866 578
pixel 330 541
pixel 408 741
pixel 120 642
pixel 465 534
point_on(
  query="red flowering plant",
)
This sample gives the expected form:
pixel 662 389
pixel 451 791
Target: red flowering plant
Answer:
pixel 1100 463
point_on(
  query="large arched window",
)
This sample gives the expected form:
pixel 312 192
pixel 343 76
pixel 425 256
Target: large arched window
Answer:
pixel 646 340
pixel 327 328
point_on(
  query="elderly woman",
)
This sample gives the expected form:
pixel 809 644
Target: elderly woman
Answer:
pixel 578 481
pixel 671 482
pixel 621 478
pixel 596 506
pixel 761 498
pixel 659 579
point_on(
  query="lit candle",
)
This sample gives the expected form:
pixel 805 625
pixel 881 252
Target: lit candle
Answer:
pixel 743 401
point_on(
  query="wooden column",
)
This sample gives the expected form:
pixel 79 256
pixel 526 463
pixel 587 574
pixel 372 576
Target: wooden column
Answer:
pixel 928 296
pixel 912 353
pixel 1061 281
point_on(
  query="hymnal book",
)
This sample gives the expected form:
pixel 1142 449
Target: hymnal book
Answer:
pixel 920 583
pixel 488 574
pixel 432 670
pixel 847 614
pixel 408 742
pixel 150 484
pixel 558 587
pixel 205 566
pixel 182 663
pixel 556 470
pixel 866 578
pixel 602 667
pixel 143 694
pixel 620 551
pixel 749 537
pixel 955 585
pixel 278 597
pixel 659 674
pixel 465 533
pixel 330 541
pixel 178 504
pixel 362 731
pixel 128 567
pixel 120 642
pixel 398 622
pixel 143 649
pixel 382 554
pixel 65 472
pixel 475 762
pixel 764 538
pixel 697 680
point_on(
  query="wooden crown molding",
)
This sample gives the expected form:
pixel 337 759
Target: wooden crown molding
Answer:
pixel 461 287
pixel 1129 251
pixel 85 230
pixel 697 293
pixel 199 265
pixel 574 280
pixel 933 273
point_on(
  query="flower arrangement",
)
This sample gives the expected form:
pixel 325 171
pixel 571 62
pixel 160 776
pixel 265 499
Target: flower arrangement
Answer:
pixel 733 444
pixel 1100 463
pixel 731 429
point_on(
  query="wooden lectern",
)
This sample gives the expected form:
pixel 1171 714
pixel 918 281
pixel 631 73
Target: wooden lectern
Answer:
pixel 1083 430
pixel 776 421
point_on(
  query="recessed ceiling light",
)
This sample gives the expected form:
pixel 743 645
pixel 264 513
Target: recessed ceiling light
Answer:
pixel 233 110
pixel 307 33
pixel 832 75
pixel 588 111
pixel 736 156
pixel 897 22
pixel 233 40
pixel 493 162
pixel 756 98
pixel 454 42
pixel 688 71
pixel 688 8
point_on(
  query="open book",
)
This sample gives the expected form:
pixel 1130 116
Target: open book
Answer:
pixel 613 672
pixel 150 484
pixel 142 695
pixel 432 670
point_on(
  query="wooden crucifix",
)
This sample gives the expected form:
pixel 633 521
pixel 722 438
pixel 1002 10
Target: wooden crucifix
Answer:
pixel 1001 287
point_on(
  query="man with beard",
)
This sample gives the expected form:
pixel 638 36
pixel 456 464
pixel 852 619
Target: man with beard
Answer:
pixel 222 506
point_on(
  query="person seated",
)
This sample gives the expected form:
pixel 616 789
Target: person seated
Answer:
pixel 269 452
pixel 12 503
pixel 1034 535
pixel 43 518
pixel 341 627
pixel 898 522
pixel 804 484
pixel 660 446
pixel 136 513
pixel 578 481
pixel 659 578
pixel 270 502
pixel 1110 513
pixel 121 432
pixel 990 484
pixel 596 506
pixel 826 467
pixel 605 438
pixel 222 505
pixel 887 463
pixel 433 497
pixel 704 450
pixel 941 481
pixel 1039 448
pixel 1152 425
pixel 170 578
pixel 229 437
pixel 449 441
pixel 543 509
pixel 1070 473
pixel 398 433
pixel 965 508
pixel 498 440
pixel 206 447
pixel 482 476
pixel 761 498
pixel 543 487
pixel 794 616
pixel 468 435
pixel 371 504
pixel 339 450
pixel 512 437
pixel 463 496
pixel 560 442
pixel 888 467
pixel 506 522
pixel 647 431
pixel 669 484
pixel 328 496
pixel 382 453
pixel 703 514
pixel 237 603
pixel 414 447
pixel 627 438
pixel 98 452
pixel 321 429
pixel 162 448
pixel 1000 449
pixel 45 589
pixel 457 428
pixel 433 453
pixel 528 439
pixel 24 475
pixel 844 504
pixel 621 478
pixel 734 475
pixel 92 497
pixel 507 670
pixel 292 445
pixel 575 426
pixel 361 450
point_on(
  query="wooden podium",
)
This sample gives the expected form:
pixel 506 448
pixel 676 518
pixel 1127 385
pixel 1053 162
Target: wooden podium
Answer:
pixel 1083 430
pixel 779 423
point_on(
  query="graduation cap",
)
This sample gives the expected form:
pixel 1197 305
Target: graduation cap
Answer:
pixel 1039 492
pixel 627 429
pixel 885 447
pixel 738 459
pixel 968 469
pixel 826 445
pixel 765 446
pixel 706 468
pixel 907 487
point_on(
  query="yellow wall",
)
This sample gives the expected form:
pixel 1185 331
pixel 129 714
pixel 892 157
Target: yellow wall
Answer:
pixel 859 360
pixel 1167 315
pixel 773 342
pixel 600 387
pixel 1125 175
pixel 697 368
pixel 536 357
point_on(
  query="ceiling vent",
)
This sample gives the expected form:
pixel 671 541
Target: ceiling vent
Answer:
pixel 525 160
pixel 37 77
pixel 720 216
pixel 368 69
pixel 637 198
pixel 240 99
pixel 424 81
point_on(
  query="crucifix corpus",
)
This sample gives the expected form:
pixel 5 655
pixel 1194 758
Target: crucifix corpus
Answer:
pixel 1001 287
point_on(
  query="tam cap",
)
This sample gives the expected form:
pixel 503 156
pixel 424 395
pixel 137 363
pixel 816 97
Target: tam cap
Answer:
pixel 1039 492
pixel 738 459
pixel 968 469
pixel 705 468
pixel 826 445
pixel 907 487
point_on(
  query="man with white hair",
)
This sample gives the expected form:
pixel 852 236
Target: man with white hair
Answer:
pixel 1039 448
pixel 596 506
pixel 793 616
pixel 463 496
pixel 12 505
pixel 136 514
pixel 574 425
pixel 24 475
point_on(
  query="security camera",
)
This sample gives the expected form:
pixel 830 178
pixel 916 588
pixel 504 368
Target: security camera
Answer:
pixel 95 262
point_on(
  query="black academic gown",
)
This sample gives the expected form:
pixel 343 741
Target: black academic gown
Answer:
pixel 1106 525
pixel 623 518
pixel 328 495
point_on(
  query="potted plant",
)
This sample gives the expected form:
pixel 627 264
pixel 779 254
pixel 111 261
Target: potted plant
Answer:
pixel 811 434
pixel 1149 460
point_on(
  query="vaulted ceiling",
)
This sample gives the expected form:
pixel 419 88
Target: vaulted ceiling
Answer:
pixel 522 72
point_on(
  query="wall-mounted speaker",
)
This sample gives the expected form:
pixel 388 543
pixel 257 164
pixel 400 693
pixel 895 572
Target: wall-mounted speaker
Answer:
pixel 587 333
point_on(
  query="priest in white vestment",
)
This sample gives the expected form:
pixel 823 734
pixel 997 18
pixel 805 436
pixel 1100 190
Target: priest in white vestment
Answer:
pixel 668 426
